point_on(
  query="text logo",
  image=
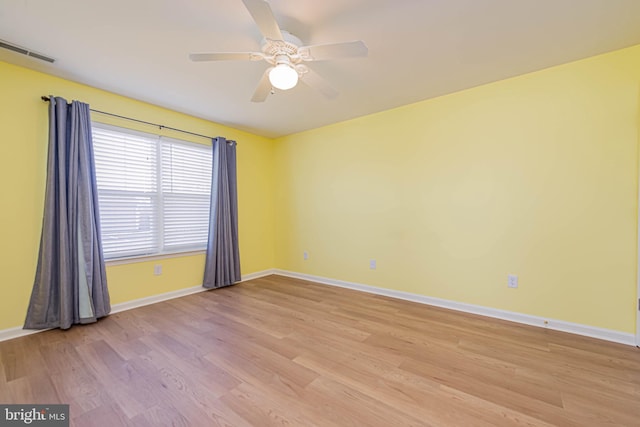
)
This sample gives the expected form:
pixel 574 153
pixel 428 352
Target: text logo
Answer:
pixel 34 415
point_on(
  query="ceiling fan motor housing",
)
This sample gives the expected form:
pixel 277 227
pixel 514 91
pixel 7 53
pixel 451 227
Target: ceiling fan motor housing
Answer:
pixel 280 49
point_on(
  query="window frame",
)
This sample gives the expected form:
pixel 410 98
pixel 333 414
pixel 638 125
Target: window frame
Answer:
pixel 160 249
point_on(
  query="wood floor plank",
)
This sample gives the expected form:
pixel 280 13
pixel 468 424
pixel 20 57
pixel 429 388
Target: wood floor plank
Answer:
pixel 394 387
pixel 105 415
pixel 266 409
pixel 194 368
pixel 72 378
pixel 492 393
pixel 124 385
pixel 282 351
pixel 38 388
pixel 363 408
pixel 172 388
pixel 605 410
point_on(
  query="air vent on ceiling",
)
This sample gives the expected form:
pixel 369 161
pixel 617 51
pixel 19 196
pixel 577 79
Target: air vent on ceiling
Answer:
pixel 24 51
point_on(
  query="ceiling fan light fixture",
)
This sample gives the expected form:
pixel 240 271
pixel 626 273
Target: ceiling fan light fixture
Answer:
pixel 283 77
pixel 285 55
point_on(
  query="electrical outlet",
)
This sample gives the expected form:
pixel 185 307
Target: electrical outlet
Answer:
pixel 157 269
pixel 373 264
pixel 512 281
pixel 305 255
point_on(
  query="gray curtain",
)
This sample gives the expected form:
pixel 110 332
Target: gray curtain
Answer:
pixel 222 266
pixel 70 286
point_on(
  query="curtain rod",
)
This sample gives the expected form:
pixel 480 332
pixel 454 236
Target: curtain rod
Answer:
pixel 46 99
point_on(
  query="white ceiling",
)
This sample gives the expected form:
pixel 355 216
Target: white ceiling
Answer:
pixel 418 49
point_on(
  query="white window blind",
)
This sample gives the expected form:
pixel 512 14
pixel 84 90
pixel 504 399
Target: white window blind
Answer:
pixel 154 192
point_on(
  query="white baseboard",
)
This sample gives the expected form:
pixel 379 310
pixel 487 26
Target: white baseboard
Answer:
pixel 141 302
pixel 258 274
pixel 17 332
pixel 558 325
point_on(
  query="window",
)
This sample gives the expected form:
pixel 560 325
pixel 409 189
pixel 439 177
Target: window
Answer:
pixel 154 192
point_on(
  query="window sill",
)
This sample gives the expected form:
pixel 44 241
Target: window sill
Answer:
pixel 146 258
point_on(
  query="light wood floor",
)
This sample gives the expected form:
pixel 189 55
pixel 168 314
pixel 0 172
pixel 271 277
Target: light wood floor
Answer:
pixel 280 351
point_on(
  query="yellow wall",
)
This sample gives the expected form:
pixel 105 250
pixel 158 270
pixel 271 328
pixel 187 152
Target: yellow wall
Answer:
pixel 534 176
pixel 23 150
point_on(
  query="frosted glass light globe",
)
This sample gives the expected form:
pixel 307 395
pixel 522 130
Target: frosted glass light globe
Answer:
pixel 283 77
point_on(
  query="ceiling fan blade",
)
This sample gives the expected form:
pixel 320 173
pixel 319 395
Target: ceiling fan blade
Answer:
pixel 313 79
pixel 226 56
pixel 320 52
pixel 264 88
pixel 263 15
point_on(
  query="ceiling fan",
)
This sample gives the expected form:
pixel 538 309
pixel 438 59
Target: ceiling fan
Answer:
pixel 286 55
